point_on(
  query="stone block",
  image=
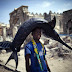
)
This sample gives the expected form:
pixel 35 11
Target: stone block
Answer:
pixel 3 51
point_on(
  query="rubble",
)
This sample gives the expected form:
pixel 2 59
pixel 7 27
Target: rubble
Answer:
pixel 57 49
pixel 66 39
pixel 57 55
pixel 46 42
pixel 3 51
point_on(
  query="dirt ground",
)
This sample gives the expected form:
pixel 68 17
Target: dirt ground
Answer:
pixel 56 64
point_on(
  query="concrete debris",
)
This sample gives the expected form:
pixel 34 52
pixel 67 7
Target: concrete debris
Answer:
pixel 46 42
pixel 3 51
pixel 57 49
pixel 66 39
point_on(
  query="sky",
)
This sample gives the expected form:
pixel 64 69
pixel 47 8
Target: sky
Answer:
pixel 35 6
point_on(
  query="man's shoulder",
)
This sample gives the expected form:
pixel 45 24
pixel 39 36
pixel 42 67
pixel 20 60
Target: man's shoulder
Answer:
pixel 29 45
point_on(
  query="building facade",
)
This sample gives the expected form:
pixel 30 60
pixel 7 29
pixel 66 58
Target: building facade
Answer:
pixel 67 22
pixel 59 24
pixel 21 14
pixel 2 31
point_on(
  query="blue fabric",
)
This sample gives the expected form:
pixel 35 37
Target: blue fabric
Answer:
pixel 34 62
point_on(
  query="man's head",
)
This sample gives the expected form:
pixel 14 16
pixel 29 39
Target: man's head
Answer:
pixel 36 33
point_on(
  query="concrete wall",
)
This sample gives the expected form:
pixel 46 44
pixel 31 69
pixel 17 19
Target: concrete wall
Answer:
pixel 67 15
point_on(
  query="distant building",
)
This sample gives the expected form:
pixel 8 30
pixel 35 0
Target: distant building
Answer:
pixel 59 24
pixel 2 31
pixel 67 22
pixel 21 14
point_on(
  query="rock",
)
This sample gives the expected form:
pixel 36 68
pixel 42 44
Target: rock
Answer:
pixel 50 46
pixel 55 44
pixel 42 41
pixel 60 45
pixel 18 54
pixel 1 60
pixel 66 39
pixel 22 45
pixel 66 51
pixel 3 51
pixel 46 42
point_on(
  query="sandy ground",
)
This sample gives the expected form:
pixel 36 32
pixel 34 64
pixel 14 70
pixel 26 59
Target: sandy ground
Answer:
pixel 56 64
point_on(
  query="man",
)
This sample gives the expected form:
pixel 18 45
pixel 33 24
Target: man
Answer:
pixel 34 52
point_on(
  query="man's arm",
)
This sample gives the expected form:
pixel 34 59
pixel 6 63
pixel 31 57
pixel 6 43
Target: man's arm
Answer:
pixel 48 66
pixel 27 62
pixel 46 61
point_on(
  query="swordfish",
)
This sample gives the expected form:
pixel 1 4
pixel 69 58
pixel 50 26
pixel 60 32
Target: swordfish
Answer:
pixel 26 28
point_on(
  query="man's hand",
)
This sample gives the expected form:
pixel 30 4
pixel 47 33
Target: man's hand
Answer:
pixel 48 67
pixel 27 62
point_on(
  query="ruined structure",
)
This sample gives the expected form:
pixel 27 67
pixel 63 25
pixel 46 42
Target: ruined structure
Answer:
pixel 2 31
pixel 21 14
pixel 67 22
pixel 59 24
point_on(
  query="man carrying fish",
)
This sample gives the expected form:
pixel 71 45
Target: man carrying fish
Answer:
pixel 35 51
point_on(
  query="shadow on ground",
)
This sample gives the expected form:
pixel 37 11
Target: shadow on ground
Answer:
pixel 4 68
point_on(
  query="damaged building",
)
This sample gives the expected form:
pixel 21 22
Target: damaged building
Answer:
pixel 21 14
